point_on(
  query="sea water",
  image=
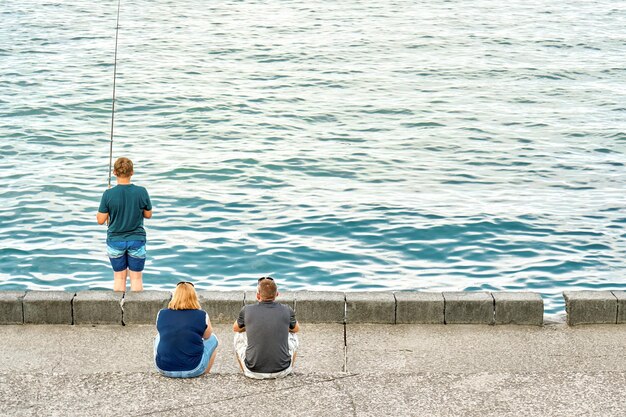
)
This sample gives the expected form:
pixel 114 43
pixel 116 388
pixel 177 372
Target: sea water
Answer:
pixel 336 144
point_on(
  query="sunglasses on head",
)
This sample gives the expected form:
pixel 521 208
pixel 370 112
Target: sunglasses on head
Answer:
pixel 262 278
pixel 185 282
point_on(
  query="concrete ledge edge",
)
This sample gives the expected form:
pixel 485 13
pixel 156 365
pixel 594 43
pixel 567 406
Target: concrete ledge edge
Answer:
pixel 390 307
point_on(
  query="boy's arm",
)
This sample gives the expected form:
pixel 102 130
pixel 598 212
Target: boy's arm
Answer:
pixel 147 211
pixel 102 217
pixel 103 211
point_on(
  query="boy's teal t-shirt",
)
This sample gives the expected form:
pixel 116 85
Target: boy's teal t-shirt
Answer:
pixel 125 204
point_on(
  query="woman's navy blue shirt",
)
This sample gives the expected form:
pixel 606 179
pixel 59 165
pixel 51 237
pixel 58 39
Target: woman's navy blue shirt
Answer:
pixel 181 345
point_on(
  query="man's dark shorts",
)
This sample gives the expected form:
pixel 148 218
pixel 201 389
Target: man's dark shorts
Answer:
pixel 130 254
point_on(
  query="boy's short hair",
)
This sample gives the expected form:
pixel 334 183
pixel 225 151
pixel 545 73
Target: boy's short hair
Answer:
pixel 267 289
pixel 123 167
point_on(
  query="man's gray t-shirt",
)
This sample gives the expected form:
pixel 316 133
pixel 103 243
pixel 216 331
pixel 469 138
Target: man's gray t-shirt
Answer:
pixel 267 325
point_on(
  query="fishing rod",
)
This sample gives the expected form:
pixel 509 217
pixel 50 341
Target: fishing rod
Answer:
pixel 117 30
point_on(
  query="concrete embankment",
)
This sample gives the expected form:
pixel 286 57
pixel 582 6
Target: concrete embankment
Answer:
pixel 108 307
pixel 361 354
pixel 341 370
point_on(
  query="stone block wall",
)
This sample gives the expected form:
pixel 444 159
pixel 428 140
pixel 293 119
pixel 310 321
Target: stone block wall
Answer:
pixel 410 307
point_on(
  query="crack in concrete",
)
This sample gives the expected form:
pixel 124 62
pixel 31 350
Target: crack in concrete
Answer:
pixel 395 309
pixel 239 397
pixel 345 335
pixel 349 395
pixel 345 348
pixel 72 308
pixel 444 308
pixel 122 307
pixel 493 316
pixel 617 309
pixel 55 366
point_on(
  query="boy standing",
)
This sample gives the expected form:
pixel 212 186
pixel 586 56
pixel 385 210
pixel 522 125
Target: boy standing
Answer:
pixel 124 207
pixel 265 335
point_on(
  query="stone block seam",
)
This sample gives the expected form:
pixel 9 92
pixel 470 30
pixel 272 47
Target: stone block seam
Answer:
pixel 72 306
pixel 445 309
pixel 616 306
pixel 493 308
pixel 620 295
pixel 122 307
pixel 345 334
pixel 395 309
pixel 617 309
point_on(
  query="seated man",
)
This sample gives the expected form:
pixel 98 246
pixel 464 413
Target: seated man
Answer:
pixel 265 339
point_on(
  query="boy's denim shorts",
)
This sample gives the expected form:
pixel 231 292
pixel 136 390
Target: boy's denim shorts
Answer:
pixel 130 254
pixel 210 345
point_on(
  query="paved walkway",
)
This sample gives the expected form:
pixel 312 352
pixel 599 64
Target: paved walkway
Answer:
pixel 362 370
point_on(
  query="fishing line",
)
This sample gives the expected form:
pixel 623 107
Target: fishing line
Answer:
pixel 117 30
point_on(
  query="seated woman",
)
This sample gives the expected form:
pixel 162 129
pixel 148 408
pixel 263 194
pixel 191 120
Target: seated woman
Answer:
pixel 184 346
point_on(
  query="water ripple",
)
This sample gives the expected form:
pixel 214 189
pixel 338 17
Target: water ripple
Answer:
pixel 339 145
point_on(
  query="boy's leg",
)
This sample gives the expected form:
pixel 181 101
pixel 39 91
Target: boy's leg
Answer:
pixel 136 280
pixel 119 280
pixel 119 262
pixel 136 262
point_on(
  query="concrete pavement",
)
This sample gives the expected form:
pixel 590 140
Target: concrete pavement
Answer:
pixel 362 370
